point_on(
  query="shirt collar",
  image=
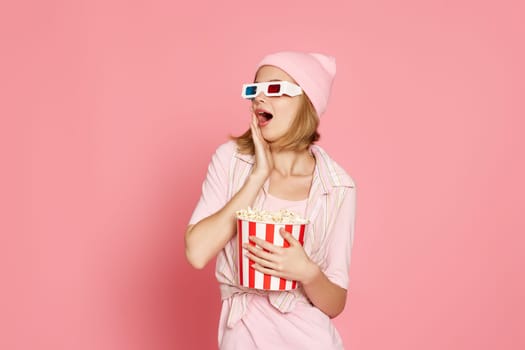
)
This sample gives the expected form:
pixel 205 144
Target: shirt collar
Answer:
pixel 329 173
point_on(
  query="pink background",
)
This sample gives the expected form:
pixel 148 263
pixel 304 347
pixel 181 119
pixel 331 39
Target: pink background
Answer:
pixel 111 110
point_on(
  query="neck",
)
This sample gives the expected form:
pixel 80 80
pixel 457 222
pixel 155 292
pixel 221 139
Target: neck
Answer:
pixel 293 163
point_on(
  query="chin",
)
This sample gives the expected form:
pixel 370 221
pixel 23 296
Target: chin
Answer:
pixel 269 137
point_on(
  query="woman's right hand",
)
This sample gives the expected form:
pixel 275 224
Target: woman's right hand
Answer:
pixel 203 240
pixel 263 155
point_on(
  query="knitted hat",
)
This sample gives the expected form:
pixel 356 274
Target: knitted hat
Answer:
pixel 314 72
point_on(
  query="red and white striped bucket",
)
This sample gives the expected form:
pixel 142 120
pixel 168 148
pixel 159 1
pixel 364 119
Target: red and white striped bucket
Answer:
pixel 248 276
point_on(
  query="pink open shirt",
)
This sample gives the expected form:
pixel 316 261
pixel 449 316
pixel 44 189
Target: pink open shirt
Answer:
pixel 328 240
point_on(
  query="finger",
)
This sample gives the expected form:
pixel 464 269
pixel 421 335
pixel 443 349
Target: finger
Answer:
pixel 265 245
pixel 253 126
pixel 269 271
pixel 257 141
pixel 260 253
pixel 256 132
pixel 288 236
pixel 262 262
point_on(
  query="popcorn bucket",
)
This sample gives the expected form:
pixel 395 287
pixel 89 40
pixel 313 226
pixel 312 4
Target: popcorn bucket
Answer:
pixel 248 276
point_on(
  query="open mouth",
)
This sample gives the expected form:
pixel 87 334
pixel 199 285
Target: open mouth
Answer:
pixel 264 117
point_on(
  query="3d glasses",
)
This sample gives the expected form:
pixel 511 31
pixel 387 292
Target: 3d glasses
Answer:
pixel 271 88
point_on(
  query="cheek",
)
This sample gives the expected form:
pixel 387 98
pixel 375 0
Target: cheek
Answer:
pixel 288 111
pixel 292 114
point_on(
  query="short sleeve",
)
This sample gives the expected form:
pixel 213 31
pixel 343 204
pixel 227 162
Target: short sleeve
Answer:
pixel 215 186
pixel 341 240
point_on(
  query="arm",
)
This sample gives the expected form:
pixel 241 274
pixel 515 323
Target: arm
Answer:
pixel 323 293
pixel 293 263
pixel 208 236
pixel 204 240
pixel 328 289
pixel 325 289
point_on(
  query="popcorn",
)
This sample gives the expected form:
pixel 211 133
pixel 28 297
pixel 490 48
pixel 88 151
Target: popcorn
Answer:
pixel 283 216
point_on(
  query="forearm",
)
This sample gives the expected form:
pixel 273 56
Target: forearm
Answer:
pixel 323 293
pixel 207 237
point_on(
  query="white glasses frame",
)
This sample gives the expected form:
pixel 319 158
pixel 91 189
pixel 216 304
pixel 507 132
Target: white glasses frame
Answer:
pixel 286 88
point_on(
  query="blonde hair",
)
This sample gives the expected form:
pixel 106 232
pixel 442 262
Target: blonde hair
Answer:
pixel 302 133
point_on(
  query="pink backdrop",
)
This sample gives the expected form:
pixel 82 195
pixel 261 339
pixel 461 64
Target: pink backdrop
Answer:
pixel 110 113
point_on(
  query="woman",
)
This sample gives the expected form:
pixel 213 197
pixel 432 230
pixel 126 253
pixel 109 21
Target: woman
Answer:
pixel 275 165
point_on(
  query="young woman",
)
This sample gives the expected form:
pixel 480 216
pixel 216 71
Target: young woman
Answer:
pixel 275 165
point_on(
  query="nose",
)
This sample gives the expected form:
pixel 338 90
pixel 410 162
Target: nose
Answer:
pixel 260 97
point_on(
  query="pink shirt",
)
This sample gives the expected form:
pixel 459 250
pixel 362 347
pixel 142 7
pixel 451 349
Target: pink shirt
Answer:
pixel 330 207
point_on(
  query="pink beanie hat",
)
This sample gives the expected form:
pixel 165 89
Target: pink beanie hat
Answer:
pixel 314 72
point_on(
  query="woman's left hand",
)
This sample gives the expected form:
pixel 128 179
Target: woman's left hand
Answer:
pixel 290 263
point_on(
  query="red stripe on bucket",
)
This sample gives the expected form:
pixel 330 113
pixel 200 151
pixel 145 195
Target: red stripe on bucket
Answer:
pixel 251 270
pixel 282 281
pixel 301 240
pixel 301 234
pixel 269 238
pixel 241 251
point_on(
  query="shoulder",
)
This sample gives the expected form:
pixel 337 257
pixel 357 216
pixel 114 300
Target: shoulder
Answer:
pixel 332 171
pixel 227 148
pixel 228 152
pixel 225 152
pixel 343 175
